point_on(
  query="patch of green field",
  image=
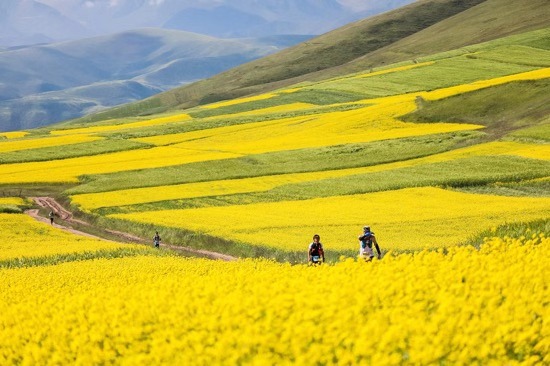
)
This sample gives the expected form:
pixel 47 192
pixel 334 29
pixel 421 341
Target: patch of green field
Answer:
pixel 503 109
pixel 516 54
pixel 70 151
pixel 224 121
pixel 292 161
pixel 533 188
pixel 512 230
pixel 103 122
pixel 456 173
pixel 74 257
pixel 444 73
pixel 474 171
pixel 536 133
pixel 317 97
pixel 10 209
pixel 465 67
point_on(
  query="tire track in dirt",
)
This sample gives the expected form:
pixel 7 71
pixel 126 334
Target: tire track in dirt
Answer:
pixel 61 212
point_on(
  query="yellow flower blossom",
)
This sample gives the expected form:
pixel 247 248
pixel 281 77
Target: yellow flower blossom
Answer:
pixel 416 309
pixel 24 237
pixel 412 218
pixel 34 143
pixel 15 201
pixel 14 134
pixel 125 126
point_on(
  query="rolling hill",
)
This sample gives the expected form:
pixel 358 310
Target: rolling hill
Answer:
pixel 419 29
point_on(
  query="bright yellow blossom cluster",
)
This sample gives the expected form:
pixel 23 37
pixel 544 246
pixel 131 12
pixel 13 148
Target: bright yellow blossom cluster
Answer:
pixel 412 218
pixel 34 143
pixel 371 123
pixel 239 101
pixel 68 170
pixel 14 134
pixel 24 237
pixel 15 201
pixel 461 308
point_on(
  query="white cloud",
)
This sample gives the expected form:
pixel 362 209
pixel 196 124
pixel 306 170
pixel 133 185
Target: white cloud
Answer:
pixel 156 2
pixel 89 4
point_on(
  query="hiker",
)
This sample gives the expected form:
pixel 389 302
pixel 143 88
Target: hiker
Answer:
pixel 156 239
pixel 316 254
pixel 367 239
pixel 51 217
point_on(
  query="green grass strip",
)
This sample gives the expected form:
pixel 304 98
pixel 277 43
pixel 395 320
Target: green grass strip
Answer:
pixel 82 256
pixel 70 151
pixel 503 109
pixel 468 172
pixel 293 161
pixel 198 124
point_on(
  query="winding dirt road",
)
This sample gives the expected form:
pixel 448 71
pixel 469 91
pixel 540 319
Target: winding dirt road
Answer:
pixel 67 217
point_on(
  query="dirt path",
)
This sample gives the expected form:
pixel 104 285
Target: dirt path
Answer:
pixel 61 213
pixel 34 214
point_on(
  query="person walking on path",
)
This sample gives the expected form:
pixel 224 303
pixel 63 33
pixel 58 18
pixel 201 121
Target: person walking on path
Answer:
pixel 51 215
pixel 315 253
pixel 367 239
pixel 156 239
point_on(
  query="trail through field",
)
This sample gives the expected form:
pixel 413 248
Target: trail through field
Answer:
pixel 62 213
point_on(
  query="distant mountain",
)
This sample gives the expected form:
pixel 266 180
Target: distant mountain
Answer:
pixel 33 22
pixel 43 84
pixel 24 22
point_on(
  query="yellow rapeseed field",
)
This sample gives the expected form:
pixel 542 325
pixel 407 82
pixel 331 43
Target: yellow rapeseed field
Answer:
pixel 125 126
pixel 481 84
pixel 91 201
pixel 24 237
pixel 14 134
pixel 68 170
pixel 465 307
pixel 238 101
pixel 371 123
pixel 34 143
pixel 15 201
pixel 412 218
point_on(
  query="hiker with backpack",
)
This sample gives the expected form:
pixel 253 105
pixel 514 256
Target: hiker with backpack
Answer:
pixel 156 239
pixel 51 215
pixel 367 239
pixel 316 254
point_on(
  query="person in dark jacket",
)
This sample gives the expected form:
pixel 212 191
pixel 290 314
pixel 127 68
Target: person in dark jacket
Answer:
pixel 156 239
pixel 315 253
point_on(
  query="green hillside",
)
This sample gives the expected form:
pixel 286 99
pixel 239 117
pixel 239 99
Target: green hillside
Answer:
pixel 420 29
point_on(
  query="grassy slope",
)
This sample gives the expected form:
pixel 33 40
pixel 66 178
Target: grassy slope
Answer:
pixel 474 107
pixel 503 109
pixel 420 29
